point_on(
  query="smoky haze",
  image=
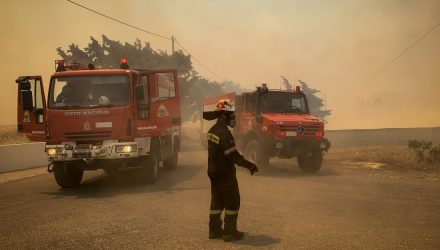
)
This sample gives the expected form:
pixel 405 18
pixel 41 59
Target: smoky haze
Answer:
pixel 334 46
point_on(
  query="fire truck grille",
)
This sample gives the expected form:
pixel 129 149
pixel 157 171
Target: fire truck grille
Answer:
pixel 309 130
pixel 87 135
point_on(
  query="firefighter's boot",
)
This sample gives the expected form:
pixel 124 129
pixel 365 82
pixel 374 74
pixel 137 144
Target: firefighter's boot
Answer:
pixel 215 226
pixel 231 233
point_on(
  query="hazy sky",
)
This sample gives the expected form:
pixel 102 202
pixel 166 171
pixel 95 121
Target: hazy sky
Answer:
pixel 332 45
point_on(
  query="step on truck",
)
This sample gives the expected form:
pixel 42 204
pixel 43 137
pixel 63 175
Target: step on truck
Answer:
pixel 110 119
pixel 274 123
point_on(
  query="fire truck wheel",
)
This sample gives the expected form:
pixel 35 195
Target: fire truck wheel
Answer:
pixel 310 161
pixel 254 154
pixel 151 168
pixel 171 163
pixel 68 174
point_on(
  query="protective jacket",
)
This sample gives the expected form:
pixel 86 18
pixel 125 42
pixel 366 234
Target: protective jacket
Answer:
pixel 223 154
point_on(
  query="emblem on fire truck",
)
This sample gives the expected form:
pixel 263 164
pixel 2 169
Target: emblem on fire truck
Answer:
pixel 87 126
pixel 26 117
pixel 162 111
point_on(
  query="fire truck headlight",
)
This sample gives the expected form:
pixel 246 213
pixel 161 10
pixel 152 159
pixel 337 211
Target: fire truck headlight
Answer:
pixel 51 151
pixel 279 145
pixel 125 148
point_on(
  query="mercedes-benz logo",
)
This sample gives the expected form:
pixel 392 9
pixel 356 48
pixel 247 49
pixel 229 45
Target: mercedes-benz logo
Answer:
pixel 300 130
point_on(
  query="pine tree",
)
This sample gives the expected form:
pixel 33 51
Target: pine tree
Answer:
pixel 193 88
pixel 286 83
pixel 315 103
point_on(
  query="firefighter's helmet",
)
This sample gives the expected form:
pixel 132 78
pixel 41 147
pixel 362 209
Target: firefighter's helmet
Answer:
pixel 224 105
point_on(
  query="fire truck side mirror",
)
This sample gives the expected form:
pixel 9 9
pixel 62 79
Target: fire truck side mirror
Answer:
pixel 26 98
pixel 26 95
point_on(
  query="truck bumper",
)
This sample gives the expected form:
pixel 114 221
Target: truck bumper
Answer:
pixel 290 148
pixel 111 151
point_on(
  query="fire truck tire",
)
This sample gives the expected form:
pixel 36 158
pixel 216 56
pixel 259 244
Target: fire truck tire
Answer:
pixel 255 154
pixel 171 163
pixel 151 168
pixel 311 161
pixel 68 174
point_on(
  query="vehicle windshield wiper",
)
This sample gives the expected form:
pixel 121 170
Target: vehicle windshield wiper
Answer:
pixel 68 107
pixel 293 109
pixel 105 106
pixel 100 106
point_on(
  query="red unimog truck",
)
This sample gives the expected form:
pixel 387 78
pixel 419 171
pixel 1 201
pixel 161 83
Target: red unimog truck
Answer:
pixel 275 123
pixel 111 119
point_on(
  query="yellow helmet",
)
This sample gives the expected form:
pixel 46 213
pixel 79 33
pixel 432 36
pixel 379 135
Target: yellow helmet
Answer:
pixel 224 105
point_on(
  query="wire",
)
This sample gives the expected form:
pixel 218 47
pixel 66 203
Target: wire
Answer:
pixel 119 21
pixel 149 32
pixel 197 60
pixel 403 52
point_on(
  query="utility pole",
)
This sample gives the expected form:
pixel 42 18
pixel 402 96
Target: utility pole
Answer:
pixel 172 44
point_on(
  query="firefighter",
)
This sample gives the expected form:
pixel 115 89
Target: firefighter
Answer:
pixel 222 158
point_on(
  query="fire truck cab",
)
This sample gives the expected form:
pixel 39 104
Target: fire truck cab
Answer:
pixel 275 123
pixel 111 119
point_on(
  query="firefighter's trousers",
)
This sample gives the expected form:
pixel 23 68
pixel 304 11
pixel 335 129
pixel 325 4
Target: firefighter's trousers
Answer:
pixel 224 196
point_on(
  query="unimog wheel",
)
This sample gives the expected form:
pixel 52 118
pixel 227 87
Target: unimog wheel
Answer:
pixel 68 174
pixel 150 168
pixel 255 154
pixel 171 163
pixel 310 161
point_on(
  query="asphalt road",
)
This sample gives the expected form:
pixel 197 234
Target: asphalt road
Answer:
pixel 342 207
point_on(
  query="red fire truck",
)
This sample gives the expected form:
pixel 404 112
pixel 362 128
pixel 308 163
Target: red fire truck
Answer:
pixel 111 119
pixel 275 123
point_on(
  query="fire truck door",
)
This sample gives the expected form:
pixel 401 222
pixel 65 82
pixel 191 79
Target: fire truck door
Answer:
pixel 31 107
pixel 165 107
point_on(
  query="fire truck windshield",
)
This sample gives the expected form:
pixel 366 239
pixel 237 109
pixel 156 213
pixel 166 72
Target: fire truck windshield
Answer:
pixel 285 102
pixel 89 91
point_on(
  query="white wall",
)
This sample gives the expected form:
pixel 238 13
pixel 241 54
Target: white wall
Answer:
pixel 22 156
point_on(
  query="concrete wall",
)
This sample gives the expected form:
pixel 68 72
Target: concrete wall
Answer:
pixel 387 136
pixel 22 156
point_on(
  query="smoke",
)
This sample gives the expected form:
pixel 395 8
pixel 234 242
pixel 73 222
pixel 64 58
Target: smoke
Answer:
pixel 334 45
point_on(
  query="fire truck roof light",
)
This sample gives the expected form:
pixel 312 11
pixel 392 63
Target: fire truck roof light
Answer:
pixel 60 65
pixel 124 63
pixel 297 89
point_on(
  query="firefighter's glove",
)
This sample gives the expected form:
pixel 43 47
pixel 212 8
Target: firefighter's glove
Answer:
pixel 252 168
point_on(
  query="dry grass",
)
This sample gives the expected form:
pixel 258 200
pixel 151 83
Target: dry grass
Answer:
pixel 400 157
pixel 9 135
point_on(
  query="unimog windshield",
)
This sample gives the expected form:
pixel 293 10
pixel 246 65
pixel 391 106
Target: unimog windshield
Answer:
pixel 285 102
pixel 89 91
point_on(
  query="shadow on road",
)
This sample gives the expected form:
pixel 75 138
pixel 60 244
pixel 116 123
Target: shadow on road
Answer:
pixel 257 240
pixel 108 185
pixel 289 169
